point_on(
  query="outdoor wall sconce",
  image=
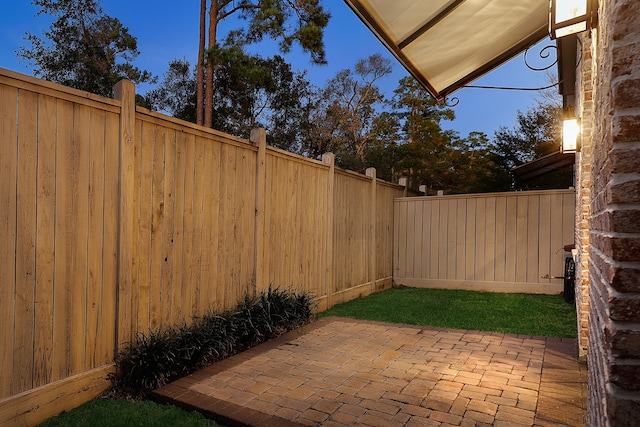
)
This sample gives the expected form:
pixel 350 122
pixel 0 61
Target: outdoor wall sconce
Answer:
pixel 570 135
pixel 571 16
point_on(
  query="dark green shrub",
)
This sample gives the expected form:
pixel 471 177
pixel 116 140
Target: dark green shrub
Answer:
pixel 148 362
pixel 159 357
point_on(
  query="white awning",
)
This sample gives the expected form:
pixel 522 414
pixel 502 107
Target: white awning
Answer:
pixel 446 44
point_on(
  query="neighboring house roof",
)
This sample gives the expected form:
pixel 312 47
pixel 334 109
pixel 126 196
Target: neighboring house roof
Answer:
pixel 543 165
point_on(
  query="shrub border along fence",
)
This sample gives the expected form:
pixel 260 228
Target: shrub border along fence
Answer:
pixel 117 220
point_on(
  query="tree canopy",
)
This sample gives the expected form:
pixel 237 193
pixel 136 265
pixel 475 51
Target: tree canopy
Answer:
pixel 84 48
pixel 301 21
pixel 351 117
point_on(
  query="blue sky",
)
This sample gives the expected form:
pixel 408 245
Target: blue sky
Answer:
pixel 168 29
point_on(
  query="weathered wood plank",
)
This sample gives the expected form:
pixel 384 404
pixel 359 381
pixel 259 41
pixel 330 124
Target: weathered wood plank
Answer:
pixel 434 244
pixel 500 266
pixel 225 236
pixel 156 259
pixel 35 406
pixel 544 236
pixel 521 237
pixel 452 239
pixel 167 287
pixel 480 266
pixel 490 240
pixel 179 240
pixel 511 239
pixel 80 238
pixel 45 242
pixel 108 337
pixel 533 239
pixel 208 254
pixel 145 219
pixel 247 191
pixel 95 279
pixel 124 92
pixel 198 226
pixel 8 230
pixel 189 265
pixel 458 232
pixel 25 243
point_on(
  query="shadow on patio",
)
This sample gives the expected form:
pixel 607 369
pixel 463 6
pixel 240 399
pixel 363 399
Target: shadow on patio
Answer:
pixel 343 372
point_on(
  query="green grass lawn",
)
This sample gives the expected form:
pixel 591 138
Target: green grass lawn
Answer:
pixel 539 315
pixel 126 413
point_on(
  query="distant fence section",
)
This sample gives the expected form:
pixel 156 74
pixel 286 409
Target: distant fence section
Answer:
pixel 116 220
pixel 503 242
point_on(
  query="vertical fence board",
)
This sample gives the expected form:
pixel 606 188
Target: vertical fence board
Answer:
pixel 108 342
pixel 398 253
pixel 203 199
pixel 456 241
pixel 208 231
pixel 156 229
pixel 426 239
pixel 188 276
pixel 270 203
pixel 168 226
pixel 470 240
pixel 45 226
pixel 126 206
pixel 533 240
pixel 481 237
pixel 225 270
pixel 522 242
pixel 452 238
pixel 96 235
pixel 511 237
pixel 544 235
pixel 179 271
pixel 568 214
pixel 411 232
pixel 198 226
pixel 500 266
pixel 246 190
pixel 63 233
pixel 144 227
pixel 434 244
pixel 26 243
pixel 490 240
pixel 81 141
pixel 8 228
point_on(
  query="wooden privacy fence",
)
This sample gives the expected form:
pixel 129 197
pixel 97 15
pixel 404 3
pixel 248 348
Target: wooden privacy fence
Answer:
pixel 116 220
pixel 503 242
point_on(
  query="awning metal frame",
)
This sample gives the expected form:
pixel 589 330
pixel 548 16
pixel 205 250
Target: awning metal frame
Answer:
pixel 396 48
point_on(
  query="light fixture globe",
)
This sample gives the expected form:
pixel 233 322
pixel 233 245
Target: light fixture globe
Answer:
pixel 568 17
pixel 570 135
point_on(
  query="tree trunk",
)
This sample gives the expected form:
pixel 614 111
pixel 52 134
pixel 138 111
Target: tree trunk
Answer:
pixel 208 101
pixel 200 67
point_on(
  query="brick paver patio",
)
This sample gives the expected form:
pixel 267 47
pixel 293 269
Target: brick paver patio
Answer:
pixel 342 372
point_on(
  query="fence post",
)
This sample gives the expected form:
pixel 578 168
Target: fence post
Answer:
pixel 373 267
pixel 125 92
pixel 329 158
pixel 259 137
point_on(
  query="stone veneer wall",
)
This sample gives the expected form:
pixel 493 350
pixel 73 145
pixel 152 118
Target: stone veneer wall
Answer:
pixel 614 224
